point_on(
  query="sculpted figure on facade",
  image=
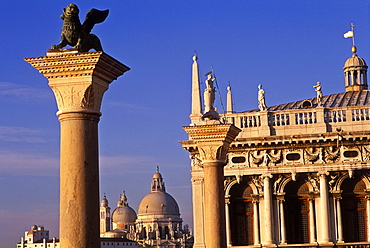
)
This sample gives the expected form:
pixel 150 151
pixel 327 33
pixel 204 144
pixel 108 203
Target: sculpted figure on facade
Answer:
pixel 209 99
pixel 318 93
pixel 78 35
pixel 261 98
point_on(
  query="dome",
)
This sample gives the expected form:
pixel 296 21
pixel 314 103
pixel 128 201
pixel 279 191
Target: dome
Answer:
pixel 124 214
pixel 158 203
pixel 104 202
pixel 355 61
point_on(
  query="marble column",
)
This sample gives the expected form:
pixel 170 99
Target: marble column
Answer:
pixel 280 198
pixel 213 142
pixel 367 197
pixel 79 81
pixel 324 208
pixel 267 203
pixel 227 215
pixel 312 220
pixel 256 219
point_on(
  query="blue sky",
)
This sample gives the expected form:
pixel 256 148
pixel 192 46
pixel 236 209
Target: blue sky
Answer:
pixel 285 45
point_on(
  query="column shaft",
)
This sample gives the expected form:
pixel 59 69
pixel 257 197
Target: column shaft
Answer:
pixel 339 219
pixel 228 230
pixel 255 223
pixel 214 203
pixel 324 208
pixel 282 222
pixel 79 180
pixel 267 198
pixel 312 221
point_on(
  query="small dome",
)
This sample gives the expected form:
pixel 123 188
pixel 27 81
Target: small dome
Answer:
pixel 355 61
pixel 104 202
pixel 158 203
pixel 124 215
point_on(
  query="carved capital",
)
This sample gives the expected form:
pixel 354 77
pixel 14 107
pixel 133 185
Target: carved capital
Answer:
pixel 213 141
pixel 79 80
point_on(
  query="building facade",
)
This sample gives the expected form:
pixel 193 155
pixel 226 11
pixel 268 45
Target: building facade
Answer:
pixel 157 224
pixel 297 173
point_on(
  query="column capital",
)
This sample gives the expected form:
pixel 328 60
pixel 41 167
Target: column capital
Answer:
pixel 78 80
pixel 212 141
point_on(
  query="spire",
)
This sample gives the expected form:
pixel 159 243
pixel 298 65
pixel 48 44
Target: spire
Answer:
pixel 196 102
pixel 157 182
pixel 122 200
pixel 229 100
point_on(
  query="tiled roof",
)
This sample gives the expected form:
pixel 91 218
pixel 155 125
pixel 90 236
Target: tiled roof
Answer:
pixel 345 99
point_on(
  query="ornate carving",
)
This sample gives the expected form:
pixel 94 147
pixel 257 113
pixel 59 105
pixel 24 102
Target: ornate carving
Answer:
pixel 196 163
pixel 332 153
pixel 312 155
pixel 315 181
pixel 365 153
pixel 88 98
pixel 267 157
pixel 212 152
pixel 258 181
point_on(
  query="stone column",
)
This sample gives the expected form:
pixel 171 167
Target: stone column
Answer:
pixel 256 218
pixel 324 208
pixel 227 215
pixel 213 142
pixel 267 203
pixel 280 198
pixel 312 220
pixel 367 197
pixel 79 81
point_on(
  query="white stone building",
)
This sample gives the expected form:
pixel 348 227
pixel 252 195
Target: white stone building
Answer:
pixel 37 237
pixel 157 224
pixel 297 173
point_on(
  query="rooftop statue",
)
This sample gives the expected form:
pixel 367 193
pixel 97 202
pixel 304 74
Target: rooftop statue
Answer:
pixel 261 98
pixel 318 93
pixel 77 35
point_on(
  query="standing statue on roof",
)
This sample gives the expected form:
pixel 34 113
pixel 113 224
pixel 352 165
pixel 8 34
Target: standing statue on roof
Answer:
pixel 78 35
pixel 318 93
pixel 209 99
pixel 261 98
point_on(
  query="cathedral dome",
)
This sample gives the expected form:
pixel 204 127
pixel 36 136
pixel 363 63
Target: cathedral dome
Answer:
pixel 124 214
pixel 355 61
pixel 158 203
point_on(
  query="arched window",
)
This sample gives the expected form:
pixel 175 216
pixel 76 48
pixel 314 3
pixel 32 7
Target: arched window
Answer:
pixel 296 210
pixel 241 214
pixel 353 207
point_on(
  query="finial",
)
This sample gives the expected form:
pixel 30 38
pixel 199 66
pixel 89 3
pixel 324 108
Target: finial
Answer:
pixel 351 34
pixel 157 169
pixel 195 58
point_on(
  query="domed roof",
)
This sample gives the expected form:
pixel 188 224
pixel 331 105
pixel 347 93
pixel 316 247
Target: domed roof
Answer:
pixel 355 61
pixel 104 202
pixel 124 214
pixel 158 203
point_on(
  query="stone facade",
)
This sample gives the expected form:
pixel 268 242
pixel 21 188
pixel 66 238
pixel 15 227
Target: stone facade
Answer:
pixel 297 174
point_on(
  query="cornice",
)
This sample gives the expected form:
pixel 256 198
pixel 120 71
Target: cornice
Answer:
pixel 65 65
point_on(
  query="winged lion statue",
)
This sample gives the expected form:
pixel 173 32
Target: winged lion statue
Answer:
pixel 78 35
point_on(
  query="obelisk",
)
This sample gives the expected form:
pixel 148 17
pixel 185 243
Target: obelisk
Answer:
pixel 79 81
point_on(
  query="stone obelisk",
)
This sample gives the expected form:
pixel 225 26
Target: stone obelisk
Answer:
pixel 213 142
pixel 79 81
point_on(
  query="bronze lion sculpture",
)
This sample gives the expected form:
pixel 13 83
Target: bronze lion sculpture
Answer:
pixel 77 35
